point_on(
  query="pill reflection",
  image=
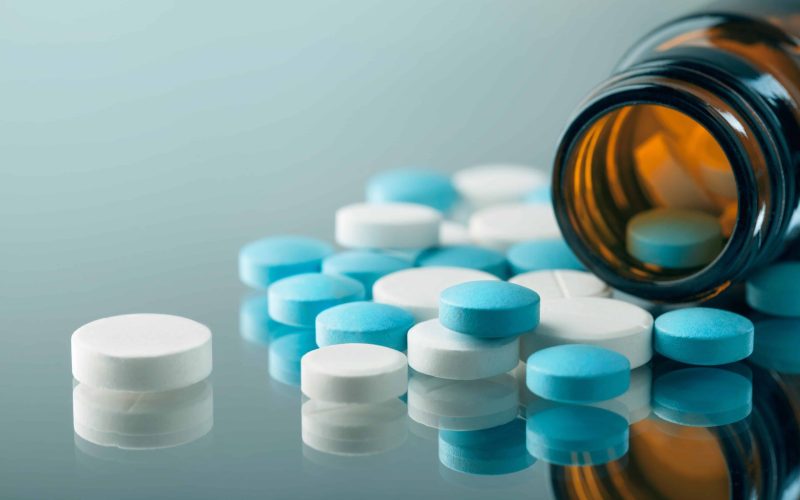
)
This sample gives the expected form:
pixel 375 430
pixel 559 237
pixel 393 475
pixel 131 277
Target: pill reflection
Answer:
pixel 354 429
pixel 492 451
pixel 703 396
pixel 285 354
pixel 462 405
pixel 576 435
pixel 142 420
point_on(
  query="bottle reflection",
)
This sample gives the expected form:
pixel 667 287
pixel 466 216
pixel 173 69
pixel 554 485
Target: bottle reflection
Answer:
pixel 690 457
pixel 703 396
pixel 491 451
pixel 354 429
pixel 462 405
pixel 142 420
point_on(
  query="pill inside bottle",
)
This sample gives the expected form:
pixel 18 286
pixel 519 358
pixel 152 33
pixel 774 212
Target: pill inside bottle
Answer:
pixel 667 202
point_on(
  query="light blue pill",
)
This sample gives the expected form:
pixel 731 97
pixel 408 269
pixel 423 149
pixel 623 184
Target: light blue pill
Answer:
pixel 776 289
pixel 364 323
pixel 297 300
pixel 536 255
pixel 265 261
pixel 285 354
pixel 255 325
pixel 674 238
pixel 703 336
pixel 490 309
pixel 703 396
pixel 364 266
pixel 413 185
pixel 493 451
pixel 540 196
pixel 777 345
pixel 576 435
pixel 578 373
pixel 467 256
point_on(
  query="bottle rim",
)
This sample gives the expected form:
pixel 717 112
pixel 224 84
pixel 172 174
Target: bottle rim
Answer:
pixel 684 89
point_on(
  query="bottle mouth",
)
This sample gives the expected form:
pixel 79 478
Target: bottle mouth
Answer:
pixel 660 187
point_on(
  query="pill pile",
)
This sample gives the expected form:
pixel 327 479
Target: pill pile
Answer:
pixel 458 295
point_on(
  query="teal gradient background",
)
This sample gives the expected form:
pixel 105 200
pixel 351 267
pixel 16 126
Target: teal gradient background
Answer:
pixel 143 142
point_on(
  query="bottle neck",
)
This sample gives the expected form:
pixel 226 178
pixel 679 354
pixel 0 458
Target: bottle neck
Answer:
pixel 595 186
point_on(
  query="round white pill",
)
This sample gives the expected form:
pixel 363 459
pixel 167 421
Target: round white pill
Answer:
pixel 141 352
pixel 609 323
pixel 484 185
pixel 353 429
pixel 142 420
pixel 501 226
pixel 387 225
pixel 441 352
pixel 462 405
pixel 562 284
pixel 417 290
pixel 354 373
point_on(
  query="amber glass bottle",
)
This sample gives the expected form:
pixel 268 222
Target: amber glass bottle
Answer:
pixel 702 115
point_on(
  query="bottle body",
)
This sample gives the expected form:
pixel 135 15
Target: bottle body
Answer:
pixel 701 122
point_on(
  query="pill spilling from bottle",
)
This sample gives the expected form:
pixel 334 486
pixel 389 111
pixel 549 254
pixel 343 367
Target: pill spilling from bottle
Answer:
pixel 466 283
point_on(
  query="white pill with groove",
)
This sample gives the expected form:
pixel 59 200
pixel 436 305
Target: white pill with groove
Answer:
pixel 440 352
pixel 484 185
pixel 417 290
pixel 501 226
pixel 354 373
pixel 562 283
pixel 141 352
pixel 609 323
pixel 387 225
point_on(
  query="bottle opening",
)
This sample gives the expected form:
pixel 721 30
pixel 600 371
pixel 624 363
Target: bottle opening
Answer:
pixel 654 193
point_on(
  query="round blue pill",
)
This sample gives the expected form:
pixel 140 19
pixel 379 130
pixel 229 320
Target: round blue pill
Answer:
pixel 285 354
pixel 537 255
pixel 703 336
pixel 265 261
pixel 364 266
pixel 468 256
pixel 491 309
pixel 364 323
pixel 674 238
pixel 703 396
pixel 576 435
pixel 776 289
pixel 413 185
pixel 578 373
pixel 493 451
pixel 298 299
